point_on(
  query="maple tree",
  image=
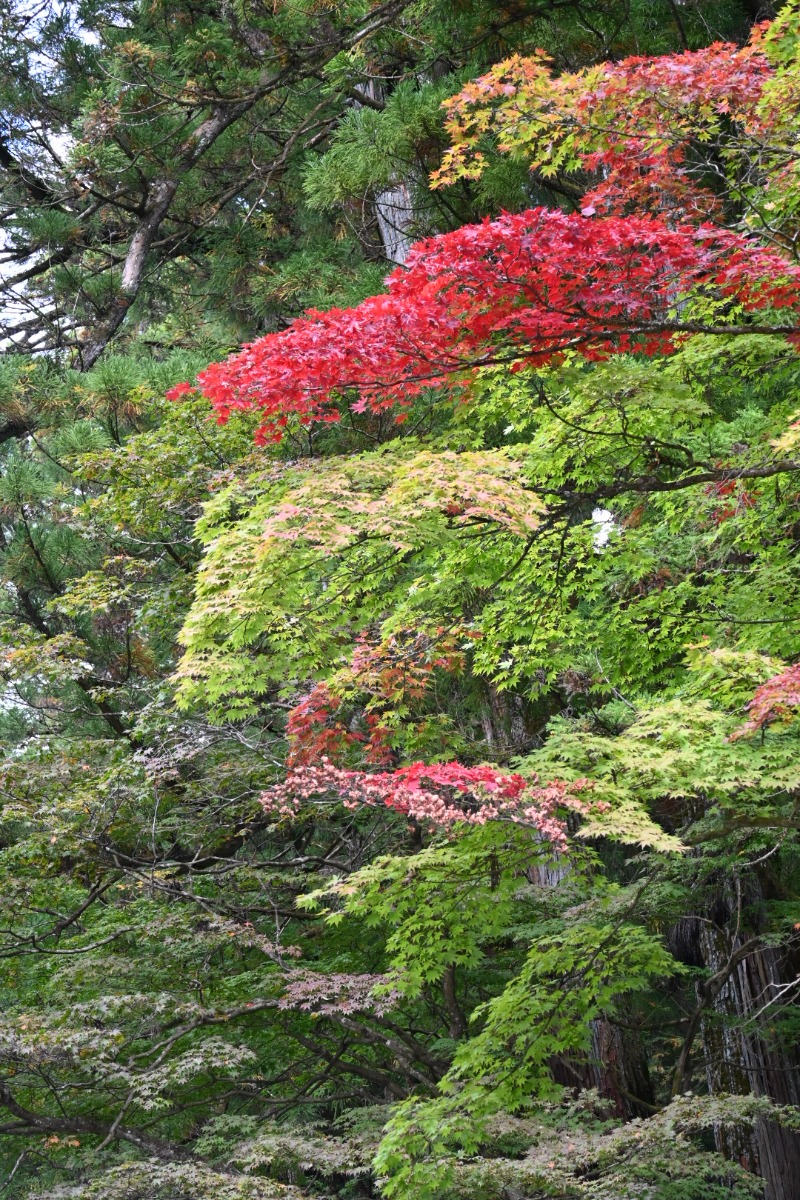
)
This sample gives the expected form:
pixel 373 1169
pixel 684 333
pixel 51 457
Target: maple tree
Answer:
pixel 776 700
pixel 438 794
pixel 519 289
pixel 540 292
pixel 389 680
pixel 703 134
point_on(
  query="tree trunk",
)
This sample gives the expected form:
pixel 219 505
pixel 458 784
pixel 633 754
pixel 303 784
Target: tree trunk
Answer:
pixel 503 719
pixel 394 207
pixel 395 212
pixel 738 1058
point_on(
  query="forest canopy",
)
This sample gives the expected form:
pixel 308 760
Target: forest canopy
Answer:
pixel 400 489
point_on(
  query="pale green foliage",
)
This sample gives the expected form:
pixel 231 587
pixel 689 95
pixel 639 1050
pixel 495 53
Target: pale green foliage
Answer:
pixel 571 1155
pixel 156 1180
pixel 683 751
pixel 330 543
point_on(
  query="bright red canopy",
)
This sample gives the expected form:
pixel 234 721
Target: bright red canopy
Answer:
pixel 518 289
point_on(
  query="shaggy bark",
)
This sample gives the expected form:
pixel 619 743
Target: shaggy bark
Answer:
pixel 395 212
pixel 748 980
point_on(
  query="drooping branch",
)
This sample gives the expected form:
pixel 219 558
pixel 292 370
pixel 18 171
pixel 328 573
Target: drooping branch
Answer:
pixel 522 290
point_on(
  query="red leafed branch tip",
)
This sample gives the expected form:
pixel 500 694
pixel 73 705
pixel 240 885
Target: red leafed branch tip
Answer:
pixel 438 794
pixel 520 289
pixel 776 700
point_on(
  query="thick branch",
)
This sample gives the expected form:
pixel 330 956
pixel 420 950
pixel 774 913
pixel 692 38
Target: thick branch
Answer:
pixel 29 1122
pixel 645 484
pixel 301 64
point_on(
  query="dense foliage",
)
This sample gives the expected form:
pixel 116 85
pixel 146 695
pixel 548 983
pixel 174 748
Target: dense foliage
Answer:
pixel 400 711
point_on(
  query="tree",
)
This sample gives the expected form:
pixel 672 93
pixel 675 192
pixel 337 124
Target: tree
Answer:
pixel 154 153
pixel 541 626
pixel 692 136
pixel 521 290
pixel 513 290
